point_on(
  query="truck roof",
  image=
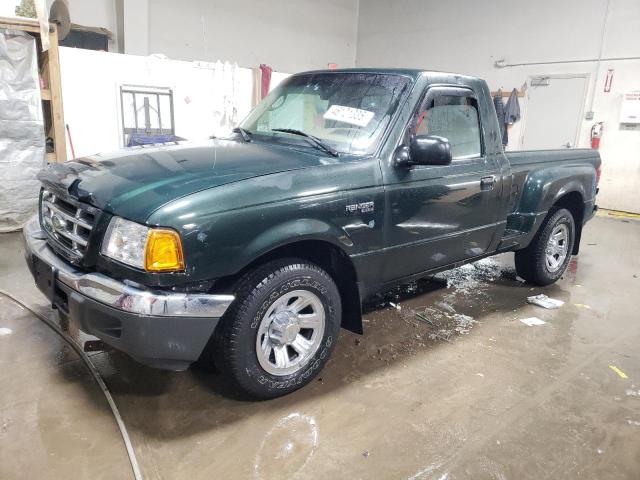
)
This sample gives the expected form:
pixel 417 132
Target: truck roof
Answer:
pixel 409 72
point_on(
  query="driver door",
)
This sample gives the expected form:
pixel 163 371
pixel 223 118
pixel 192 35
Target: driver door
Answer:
pixel 441 214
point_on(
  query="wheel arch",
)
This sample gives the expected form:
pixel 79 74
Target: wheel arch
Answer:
pixel 331 258
pixel 574 202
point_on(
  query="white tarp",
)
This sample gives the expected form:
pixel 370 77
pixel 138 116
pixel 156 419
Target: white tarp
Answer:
pixel 22 143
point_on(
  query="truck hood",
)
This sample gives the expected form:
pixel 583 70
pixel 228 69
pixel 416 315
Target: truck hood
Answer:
pixel 135 182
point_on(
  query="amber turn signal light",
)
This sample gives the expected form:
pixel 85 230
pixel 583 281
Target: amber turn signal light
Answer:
pixel 163 252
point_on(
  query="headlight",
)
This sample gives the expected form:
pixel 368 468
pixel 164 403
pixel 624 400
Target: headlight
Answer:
pixel 152 249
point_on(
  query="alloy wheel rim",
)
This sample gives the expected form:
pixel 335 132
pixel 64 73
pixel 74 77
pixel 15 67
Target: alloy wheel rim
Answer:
pixel 557 248
pixel 290 332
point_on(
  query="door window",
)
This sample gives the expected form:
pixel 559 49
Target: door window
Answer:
pixel 454 118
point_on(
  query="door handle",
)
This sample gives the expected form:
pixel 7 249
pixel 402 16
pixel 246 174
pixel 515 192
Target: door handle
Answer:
pixel 487 183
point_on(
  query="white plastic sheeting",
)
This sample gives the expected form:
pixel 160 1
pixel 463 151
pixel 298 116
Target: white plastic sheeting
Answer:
pixel 22 143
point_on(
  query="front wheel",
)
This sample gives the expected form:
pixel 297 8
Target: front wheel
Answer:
pixel 548 255
pixel 280 330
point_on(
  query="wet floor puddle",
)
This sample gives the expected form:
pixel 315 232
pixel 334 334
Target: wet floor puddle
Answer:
pixel 442 307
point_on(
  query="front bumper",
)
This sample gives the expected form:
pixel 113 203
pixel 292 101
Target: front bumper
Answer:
pixel 159 328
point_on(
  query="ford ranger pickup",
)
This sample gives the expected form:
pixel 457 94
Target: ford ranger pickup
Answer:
pixel 250 253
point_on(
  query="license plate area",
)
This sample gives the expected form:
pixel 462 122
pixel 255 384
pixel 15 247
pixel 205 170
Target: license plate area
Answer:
pixel 45 277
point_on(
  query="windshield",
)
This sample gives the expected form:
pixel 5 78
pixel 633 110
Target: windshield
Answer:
pixel 346 111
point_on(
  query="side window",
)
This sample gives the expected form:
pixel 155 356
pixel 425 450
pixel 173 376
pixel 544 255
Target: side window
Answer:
pixel 454 118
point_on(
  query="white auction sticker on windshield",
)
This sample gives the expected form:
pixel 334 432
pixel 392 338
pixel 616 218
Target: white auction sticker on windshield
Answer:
pixel 351 115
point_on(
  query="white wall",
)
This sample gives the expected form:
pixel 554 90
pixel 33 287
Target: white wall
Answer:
pixel 620 148
pixel 464 36
pixel 290 36
pixel 135 27
pixel 90 89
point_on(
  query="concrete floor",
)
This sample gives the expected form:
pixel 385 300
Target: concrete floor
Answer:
pixel 485 397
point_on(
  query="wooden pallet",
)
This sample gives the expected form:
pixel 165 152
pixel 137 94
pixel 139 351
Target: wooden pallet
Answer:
pixel 51 94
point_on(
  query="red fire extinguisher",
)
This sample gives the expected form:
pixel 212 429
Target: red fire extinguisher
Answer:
pixel 596 135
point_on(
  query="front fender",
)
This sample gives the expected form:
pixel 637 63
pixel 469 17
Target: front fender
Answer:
pixel 224 229
pixel 294 231
pixel 220 244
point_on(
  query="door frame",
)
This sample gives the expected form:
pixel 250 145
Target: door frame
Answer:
pixel 587 83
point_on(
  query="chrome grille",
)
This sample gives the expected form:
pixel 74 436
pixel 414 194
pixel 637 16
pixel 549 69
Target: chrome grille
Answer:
pixel 66 221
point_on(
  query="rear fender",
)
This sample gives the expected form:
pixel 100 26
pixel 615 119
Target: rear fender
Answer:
pixel 542 189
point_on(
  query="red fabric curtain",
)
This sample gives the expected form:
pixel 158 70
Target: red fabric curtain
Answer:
pixel 266 79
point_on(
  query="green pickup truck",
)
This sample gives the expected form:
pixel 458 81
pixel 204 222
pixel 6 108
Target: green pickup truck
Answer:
pixel 251 252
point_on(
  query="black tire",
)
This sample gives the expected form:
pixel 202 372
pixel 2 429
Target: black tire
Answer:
pixel 531 262
pixel 234 342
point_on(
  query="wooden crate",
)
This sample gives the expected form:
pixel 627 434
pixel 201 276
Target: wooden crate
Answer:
pixel 51 94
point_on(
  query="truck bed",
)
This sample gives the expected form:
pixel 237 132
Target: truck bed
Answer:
pixel 561 163
pixel 522 160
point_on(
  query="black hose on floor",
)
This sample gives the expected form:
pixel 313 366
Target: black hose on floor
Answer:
pixel 96 375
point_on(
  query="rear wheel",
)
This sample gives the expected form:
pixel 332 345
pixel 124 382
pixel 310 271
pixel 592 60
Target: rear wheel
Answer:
pixel 548 255
pixel 280 330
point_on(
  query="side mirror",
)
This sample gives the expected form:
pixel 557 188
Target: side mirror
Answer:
pixel 425 150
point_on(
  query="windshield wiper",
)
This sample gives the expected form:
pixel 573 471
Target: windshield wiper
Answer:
pixel 244 133
pixel 315 140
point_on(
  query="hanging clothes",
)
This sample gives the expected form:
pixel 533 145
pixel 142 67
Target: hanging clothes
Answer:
pixel 500 113
pixel 266 79
pixel 512 109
